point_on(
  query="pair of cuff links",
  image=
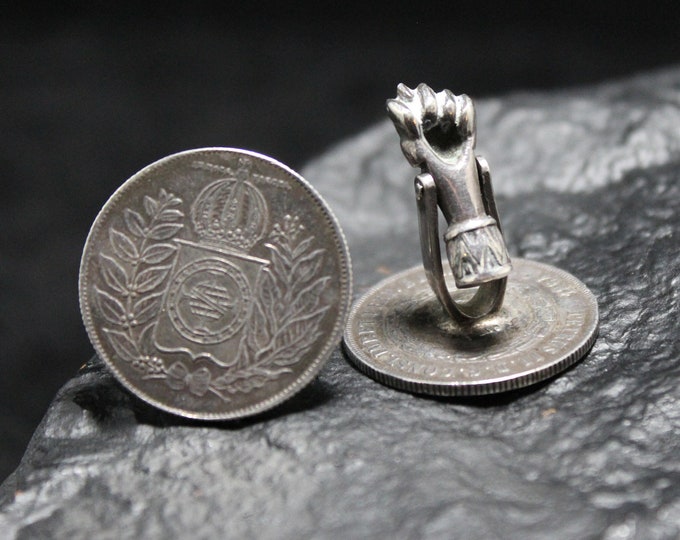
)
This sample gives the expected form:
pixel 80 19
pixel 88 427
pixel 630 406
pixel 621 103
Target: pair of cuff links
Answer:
pixel 215 283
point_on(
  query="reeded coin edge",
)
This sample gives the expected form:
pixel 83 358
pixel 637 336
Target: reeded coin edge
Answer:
pixel 474 388
pixel 306 376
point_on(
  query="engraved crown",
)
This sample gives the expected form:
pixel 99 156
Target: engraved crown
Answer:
pixel 231 210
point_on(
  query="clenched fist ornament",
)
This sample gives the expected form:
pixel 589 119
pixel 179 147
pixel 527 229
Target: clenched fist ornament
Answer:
pixel 522 322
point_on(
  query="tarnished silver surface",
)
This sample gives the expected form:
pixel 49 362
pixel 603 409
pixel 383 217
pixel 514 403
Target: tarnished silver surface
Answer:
pixel 489 296
pixel 398 333
pixel 437 133
pixel 215 283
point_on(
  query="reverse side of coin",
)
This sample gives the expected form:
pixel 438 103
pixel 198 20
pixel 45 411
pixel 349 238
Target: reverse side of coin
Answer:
pixel 398 334
pixel 215 283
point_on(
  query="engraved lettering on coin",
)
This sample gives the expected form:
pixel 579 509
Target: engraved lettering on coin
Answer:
pixel 215 283
pixel 399 334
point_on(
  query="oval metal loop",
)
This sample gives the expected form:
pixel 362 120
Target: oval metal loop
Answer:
pixel 489 296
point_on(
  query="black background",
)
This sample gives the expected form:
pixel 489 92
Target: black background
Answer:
pixel 89 95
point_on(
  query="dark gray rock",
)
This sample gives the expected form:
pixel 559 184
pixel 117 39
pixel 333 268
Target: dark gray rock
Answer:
pixel 588 180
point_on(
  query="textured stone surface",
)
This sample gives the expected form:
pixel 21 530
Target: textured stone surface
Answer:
pixel 588 180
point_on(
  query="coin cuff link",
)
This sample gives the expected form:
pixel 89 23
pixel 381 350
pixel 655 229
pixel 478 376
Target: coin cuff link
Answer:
pixel 215 283
pixel 525 322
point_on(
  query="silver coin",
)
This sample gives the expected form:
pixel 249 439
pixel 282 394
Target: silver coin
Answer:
pixel 399 334
pixel 215 283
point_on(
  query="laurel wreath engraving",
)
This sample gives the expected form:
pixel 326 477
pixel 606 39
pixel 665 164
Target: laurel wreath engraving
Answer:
pixel 133 274
pixel 284 320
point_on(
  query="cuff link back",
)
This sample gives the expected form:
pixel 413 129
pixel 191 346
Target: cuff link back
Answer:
pixel 215 283
pixel 525 322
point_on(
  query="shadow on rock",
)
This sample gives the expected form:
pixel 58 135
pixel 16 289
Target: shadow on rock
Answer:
pixel 311 397
pixel 105 398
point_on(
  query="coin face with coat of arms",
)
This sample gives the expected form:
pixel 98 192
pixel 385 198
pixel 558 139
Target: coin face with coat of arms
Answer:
pixel 215 283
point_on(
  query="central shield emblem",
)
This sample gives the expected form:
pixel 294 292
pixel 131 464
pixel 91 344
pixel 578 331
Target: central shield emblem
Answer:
pixel 210 291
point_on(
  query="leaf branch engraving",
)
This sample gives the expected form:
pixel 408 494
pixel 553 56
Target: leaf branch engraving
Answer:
pixel 285 318
pixel 133 272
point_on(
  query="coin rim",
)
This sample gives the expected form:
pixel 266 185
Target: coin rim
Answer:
pixel 364 363
pixel 321 358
